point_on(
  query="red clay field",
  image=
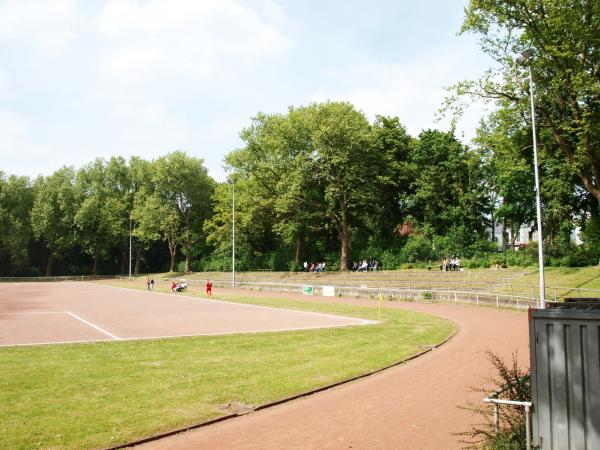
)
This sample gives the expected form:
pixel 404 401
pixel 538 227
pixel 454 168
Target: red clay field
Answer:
pixel 44 313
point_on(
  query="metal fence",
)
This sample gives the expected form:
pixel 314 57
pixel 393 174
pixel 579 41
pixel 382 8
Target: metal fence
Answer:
pixel 477 298
pixel 65 278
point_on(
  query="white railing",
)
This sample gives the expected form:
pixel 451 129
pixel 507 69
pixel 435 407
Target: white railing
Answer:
pixel 61 278
pixel 493 399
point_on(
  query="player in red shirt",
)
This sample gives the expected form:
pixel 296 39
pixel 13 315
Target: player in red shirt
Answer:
pixel 208 288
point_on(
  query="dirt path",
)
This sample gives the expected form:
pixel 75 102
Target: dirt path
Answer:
pixel 413 406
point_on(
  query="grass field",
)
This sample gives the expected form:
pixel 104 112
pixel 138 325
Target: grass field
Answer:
pixel 103 394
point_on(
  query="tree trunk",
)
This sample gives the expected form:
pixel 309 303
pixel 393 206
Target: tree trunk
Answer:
pixel 49 264
pixel 344 233
pixel 188 252
pixel 298 257
pixel 124 261
pixel 172 264
pixel 138 258
pixel 96 258
pixel 345 239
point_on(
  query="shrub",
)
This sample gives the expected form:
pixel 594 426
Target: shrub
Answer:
pixel 517 385
pixel 391 260
pixel 418 248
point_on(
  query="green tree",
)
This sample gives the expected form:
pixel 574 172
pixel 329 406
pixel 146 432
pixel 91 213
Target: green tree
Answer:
pixel 182 182
pixel 92 216
pixel 318 159
pixel 392 179
pixel 506 143
pixel 140 172
pixel 157 220
pixel 446 187
pixel 16 202
pixel 565 70
pixel 53 213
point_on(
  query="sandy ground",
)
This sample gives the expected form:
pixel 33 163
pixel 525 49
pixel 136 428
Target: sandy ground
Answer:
pixel 412 406
pixel 38 313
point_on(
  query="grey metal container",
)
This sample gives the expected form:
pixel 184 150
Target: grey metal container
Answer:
pixel 565 377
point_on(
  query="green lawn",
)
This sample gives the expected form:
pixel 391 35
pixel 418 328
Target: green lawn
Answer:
pixel 102 394
pixel 562 281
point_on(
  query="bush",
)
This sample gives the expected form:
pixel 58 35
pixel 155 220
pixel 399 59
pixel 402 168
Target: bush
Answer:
pixel 517 383
pixel 391 260
pixel 418 248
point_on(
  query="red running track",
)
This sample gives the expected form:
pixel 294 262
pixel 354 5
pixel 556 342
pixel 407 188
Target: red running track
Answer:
pixel 412 406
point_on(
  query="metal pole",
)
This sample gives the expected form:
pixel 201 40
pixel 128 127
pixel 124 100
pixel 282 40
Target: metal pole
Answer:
pixel 129 247
pixel 233 238
pixel 538 202
pixel 496 418
pixel 527 428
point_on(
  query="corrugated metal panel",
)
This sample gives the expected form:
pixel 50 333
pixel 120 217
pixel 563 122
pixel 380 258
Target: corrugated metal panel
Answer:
pixel 565 379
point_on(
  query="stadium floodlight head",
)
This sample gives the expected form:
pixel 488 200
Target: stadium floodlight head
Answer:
pixel 525 57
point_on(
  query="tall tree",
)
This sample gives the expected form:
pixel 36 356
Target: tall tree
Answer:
pixel 393 177
pixel 183 183
pixel 141 188
pixel 53 213
pixel 318 158
pixel 92 216
pixel 446 187
pixel 565 68
pixel 16 201
pixel 506 143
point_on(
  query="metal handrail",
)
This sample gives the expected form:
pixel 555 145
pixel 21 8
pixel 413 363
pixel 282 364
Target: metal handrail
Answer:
pixel 493 398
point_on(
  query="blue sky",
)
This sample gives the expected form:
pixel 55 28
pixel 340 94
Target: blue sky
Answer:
pixel 81 79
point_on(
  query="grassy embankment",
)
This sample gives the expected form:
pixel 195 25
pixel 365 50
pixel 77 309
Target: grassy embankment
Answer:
pixel 102 394
pixel 560 281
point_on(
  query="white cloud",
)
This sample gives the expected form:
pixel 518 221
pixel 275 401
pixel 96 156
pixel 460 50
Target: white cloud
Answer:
pixel 413 92
pixel 50 25
pixel 166 39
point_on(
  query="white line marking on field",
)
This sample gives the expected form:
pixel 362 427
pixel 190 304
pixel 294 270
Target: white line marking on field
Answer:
pixel 93 326
pixel 175 336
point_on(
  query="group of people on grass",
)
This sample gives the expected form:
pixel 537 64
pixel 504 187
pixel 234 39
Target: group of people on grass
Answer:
pixel 179 286
pixel 450 263
pixel 314 267
pixel 365 266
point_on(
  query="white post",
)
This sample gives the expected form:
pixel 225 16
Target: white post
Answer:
pixel 233 237
pixel 130 247
pixel 538 202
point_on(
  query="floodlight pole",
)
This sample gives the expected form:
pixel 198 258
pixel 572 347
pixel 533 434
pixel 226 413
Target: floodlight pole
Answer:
pixel 233 236
pixel 526 58
pixel 129 247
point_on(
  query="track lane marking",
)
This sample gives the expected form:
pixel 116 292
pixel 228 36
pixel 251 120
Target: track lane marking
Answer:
pixel 93 326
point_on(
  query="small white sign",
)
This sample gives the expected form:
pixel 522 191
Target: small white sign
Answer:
pixel 328 291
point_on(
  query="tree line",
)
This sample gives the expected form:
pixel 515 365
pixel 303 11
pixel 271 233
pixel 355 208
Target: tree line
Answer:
pixel 319 183
pixel 323 183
